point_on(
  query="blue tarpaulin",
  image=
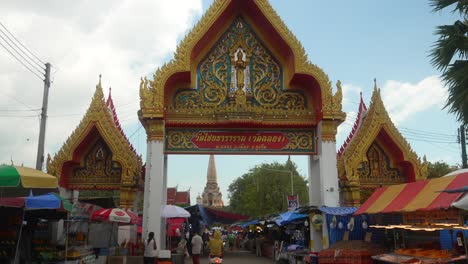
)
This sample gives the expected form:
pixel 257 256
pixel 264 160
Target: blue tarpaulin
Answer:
pixel 343 215
pixel 338 210
pixel 288 217
pixel 248 223
pixel 46 201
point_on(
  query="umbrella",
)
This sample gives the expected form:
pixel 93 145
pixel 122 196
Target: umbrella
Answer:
pixel 46 201
pixel 115 215
pixel 18 176
pixel 172 211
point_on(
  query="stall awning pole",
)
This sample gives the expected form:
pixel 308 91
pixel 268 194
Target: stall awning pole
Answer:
pixel 16 261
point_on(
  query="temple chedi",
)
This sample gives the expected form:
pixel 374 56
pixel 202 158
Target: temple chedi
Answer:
pixel 211 195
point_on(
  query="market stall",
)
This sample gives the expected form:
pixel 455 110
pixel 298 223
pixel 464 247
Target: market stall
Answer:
pixel 26 227
pixel 347 237
pixel 108 221
pixel 426 215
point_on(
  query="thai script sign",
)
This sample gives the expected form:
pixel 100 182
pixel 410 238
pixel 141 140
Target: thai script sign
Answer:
pixel 240 142
pixel 293 202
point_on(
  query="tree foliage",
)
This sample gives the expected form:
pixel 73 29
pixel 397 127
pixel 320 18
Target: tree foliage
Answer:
pixel 439 169
pixel 263 190
pixel 450 54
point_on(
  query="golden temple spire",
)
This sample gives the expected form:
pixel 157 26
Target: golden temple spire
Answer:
pixel 98 94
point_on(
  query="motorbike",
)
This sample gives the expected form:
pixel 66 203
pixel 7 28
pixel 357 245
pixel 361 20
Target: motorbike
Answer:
pixel 215 259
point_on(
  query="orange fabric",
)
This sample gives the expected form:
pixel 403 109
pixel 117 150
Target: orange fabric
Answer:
pixel 428 194
pixel 420 195
pixel 409 192
pixel 374 197
pixel 444 200
pixel 386 198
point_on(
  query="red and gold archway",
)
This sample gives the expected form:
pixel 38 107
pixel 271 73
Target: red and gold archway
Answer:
pixel 239 68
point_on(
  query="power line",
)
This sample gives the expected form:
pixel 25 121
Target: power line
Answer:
pixel 38 76
pixel 19 110
pixel 19 48
pixel 32 53
pixel 414 132
pixel 17 100
pixel 135 132
pixel 19 116
pixel 20 53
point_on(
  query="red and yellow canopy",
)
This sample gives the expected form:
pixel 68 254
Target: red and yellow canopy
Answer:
pixel 414 196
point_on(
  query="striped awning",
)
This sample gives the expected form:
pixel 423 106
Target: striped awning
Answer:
pixel 420 195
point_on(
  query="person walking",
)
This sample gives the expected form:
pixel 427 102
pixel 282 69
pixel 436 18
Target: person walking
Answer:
pixel 150 249
pixel 258 244
pixel 197 244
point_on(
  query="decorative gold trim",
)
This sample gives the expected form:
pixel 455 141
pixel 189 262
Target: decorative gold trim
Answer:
pixel 154 129
pixel 376 119
pixel 98 116
pixel 152 92
pixel 329 129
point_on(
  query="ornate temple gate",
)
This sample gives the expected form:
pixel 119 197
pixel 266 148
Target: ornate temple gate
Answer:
pixel 240 83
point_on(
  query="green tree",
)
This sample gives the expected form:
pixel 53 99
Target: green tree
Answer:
pixel 439 169
pixel 450 55
pixel 263 190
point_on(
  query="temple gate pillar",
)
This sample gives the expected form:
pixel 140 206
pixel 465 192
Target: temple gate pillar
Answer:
pixel 323 179
pixel 155 182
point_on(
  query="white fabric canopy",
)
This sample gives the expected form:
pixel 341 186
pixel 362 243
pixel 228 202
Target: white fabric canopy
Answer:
pixel 172 211
pixel 461 203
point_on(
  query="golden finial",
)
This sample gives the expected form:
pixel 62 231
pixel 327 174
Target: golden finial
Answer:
pixel 375 84
pixel 99 86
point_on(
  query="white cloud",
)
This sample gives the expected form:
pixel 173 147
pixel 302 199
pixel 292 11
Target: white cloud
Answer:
pixel 403 100
pixel 122 40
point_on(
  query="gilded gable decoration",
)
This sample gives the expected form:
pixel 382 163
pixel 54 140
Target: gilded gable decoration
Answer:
pixel 239 79
pixel 364 161
pixel 240 71
pixel 97 155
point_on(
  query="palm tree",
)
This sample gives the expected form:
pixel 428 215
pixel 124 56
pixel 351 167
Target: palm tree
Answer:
pixel 450 54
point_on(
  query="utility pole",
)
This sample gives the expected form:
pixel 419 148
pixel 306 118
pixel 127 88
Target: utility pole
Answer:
pixel 290 174
pixel 463 146
pixel 45 100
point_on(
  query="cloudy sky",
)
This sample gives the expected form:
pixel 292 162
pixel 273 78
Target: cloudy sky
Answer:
pixel 123 40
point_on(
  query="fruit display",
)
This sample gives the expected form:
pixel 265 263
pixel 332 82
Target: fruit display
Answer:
pixel 351 251
pixel 427 253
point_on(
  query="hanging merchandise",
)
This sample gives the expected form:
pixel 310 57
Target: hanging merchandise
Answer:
pixel 333 222
pixel 351 224
pixel 317 222
pixel 340 225
pixel 364 222
pixel 364 225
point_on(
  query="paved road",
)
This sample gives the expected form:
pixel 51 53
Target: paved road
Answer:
pixel 238 257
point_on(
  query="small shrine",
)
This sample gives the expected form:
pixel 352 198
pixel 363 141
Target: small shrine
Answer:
pixel 98 155
pixel 375 154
